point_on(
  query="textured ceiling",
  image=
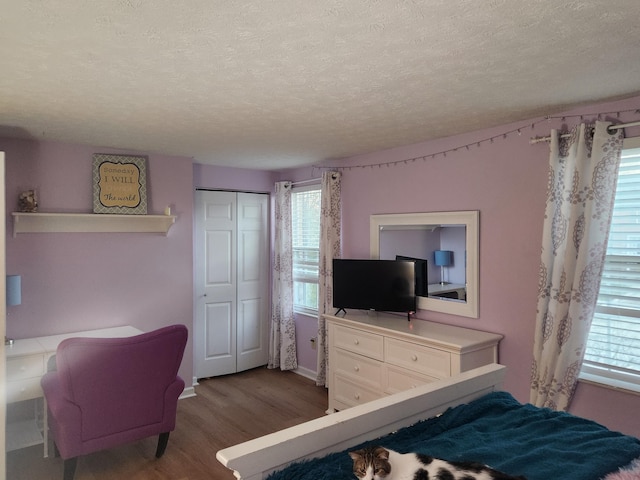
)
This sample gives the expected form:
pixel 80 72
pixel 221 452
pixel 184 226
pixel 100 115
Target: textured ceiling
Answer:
pixel 272 84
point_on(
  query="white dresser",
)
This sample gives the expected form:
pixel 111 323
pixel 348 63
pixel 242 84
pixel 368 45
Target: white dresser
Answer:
pixel 373 355
pixel 26 364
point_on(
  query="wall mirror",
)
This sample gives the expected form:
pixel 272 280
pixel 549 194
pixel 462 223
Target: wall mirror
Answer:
pixel 448 241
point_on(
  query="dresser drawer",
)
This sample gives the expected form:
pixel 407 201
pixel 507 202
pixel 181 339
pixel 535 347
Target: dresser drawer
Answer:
pixel 360 368
pixel 25 367
pixel 351 393
pixel 26 389
pixel 397 379
pixel 418 358
pixel 358 341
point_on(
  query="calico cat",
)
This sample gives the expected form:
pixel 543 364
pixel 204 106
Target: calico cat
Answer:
pixel 379 463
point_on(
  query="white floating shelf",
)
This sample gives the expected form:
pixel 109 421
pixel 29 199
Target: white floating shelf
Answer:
pixel 90 223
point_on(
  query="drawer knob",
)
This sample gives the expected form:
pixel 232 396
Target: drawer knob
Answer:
pixel 356 396
pixel 356 342
pixel 356 368
pixel 414 357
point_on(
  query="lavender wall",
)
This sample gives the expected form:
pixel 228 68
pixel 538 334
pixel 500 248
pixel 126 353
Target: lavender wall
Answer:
pixel 82 281
pixel 505 179
pixel 306 329
pixel 225 178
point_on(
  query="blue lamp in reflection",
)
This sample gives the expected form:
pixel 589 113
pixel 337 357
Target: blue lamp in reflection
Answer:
pixel 13 296
pixel 443 258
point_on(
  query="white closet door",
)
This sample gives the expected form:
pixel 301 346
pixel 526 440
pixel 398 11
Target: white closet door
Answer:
pixel 214 332
pixel 231 278
pixel 253 281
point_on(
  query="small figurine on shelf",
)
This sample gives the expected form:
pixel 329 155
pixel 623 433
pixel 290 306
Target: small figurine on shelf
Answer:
pixel 28 201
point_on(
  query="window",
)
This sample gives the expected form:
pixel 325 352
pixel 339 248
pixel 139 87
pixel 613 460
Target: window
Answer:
pixel 613 348
pixel 305 226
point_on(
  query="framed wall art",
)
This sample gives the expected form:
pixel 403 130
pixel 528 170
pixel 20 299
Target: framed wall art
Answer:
pixel 119 184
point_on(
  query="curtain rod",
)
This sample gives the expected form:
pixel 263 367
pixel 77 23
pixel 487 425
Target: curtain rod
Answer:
pixel 304 182
pixel 535 140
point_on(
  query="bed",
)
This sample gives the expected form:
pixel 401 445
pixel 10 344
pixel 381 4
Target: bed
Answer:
pixel 466 417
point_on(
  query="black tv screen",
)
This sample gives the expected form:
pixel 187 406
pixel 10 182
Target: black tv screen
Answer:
pixel 383 285
pixel 422 282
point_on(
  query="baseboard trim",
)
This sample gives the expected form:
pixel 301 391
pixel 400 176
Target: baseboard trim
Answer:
pixel 187 393
pixel 305 372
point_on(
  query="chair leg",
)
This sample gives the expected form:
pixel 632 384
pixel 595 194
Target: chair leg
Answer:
pixel 163 439
pixel 70 465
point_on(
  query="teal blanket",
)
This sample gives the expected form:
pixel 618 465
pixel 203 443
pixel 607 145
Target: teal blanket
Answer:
pixel 518 439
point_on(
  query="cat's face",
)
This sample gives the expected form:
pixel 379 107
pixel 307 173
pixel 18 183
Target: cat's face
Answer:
pixel 371 463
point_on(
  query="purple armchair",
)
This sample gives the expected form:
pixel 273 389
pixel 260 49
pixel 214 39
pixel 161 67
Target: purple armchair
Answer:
pixel 110 391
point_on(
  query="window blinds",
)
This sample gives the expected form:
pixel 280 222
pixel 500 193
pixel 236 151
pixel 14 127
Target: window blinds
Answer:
pixel 613 347
pixel 305 218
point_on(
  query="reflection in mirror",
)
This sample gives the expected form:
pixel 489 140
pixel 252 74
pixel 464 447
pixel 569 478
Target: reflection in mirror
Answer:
pixel 439 251
pixel 445 247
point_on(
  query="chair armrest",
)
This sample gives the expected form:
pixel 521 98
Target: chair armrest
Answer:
pixel 171 396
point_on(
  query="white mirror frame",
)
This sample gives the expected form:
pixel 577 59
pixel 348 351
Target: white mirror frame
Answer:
pixel 470 219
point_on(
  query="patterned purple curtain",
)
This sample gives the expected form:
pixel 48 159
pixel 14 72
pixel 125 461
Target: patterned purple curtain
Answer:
pixel 282 341
pixel 583 170
pixel 330 248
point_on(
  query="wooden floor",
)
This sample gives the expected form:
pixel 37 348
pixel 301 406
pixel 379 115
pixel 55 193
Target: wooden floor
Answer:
pixel 227 410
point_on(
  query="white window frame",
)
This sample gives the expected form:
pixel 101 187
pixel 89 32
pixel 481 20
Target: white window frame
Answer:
pixel 604 375
pixel 297 308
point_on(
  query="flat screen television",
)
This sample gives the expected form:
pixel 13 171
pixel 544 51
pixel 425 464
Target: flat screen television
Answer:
pixel 382 285
pixel 422 281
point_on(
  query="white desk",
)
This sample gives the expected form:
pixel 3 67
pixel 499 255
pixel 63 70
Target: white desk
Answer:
pixel 435 289
pixel 26 364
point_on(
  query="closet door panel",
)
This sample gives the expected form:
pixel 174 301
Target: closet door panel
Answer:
pixel 215 337
pixel 253 281
pixel 220 339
